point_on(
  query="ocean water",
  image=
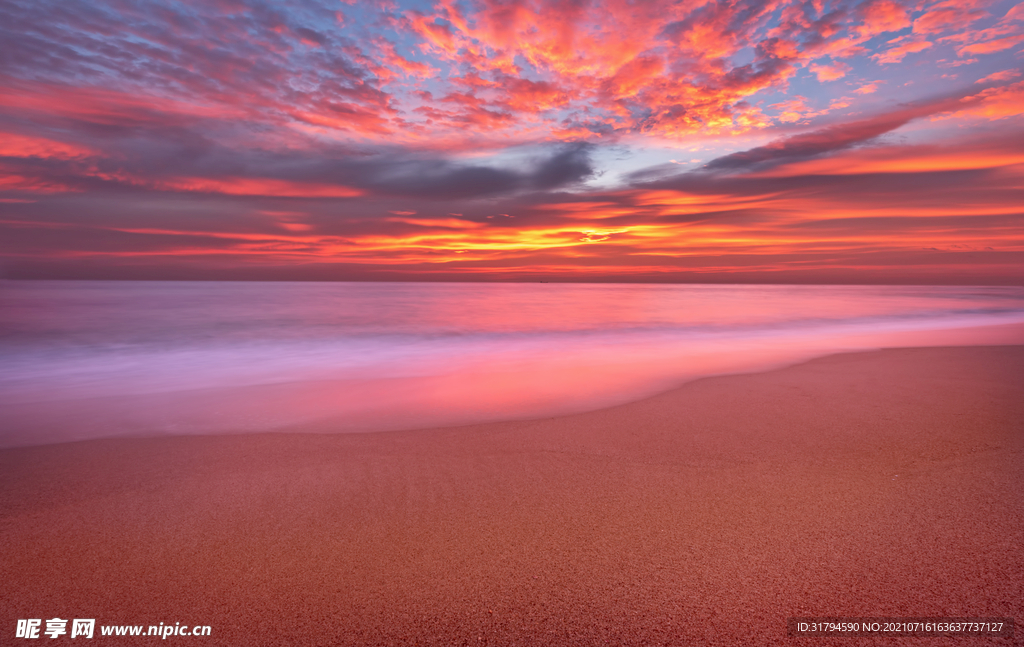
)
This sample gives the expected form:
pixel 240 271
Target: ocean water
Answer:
pixel 91 359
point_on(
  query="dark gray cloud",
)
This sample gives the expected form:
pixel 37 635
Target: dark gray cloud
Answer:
pixel 569 165
pixel 563 166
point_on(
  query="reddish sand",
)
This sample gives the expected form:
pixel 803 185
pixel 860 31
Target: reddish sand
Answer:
pixel 872 484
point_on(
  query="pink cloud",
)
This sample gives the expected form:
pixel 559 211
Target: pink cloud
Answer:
pixel 991 46
pixel 948 15
pixel 898 53
pixel 830 72
pixel 1005 75
pixel 882 16
pixel 258 187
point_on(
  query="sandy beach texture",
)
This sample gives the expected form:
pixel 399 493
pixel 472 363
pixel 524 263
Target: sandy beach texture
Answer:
pixel 885 483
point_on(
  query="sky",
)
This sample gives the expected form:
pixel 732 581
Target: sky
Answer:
pixel 775 141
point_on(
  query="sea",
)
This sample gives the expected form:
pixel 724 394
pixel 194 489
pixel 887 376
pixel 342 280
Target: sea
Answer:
pixel 82 360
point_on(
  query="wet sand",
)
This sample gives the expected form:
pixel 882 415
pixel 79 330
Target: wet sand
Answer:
pixel 885 483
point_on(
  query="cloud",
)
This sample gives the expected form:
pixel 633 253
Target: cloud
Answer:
pixel 832 72
pixel 874 207
pixel 947 15
pixel 18 145
pixel 568 166
pixel 881 16
pixel 819 142
pixel 257 187
pixel 232 135
pixel 448 76
pixel 991 103
pixel 124 142
pixel 439 179
pixel 899 52
pixel 1004 75
pixel 991 46
pixel 793 110
pixel 1003 35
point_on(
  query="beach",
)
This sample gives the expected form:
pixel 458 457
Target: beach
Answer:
pixel 880 483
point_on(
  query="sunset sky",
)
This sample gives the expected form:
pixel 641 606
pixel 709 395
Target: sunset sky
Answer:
pixel 778 141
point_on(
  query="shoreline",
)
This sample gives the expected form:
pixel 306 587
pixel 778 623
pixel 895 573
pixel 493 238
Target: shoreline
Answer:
pixel 478 394
pixel 879 483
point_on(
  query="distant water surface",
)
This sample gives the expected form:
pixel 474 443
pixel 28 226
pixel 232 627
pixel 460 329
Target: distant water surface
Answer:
pixel 88 359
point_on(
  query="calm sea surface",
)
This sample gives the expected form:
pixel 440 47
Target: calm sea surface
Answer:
pixel 90 359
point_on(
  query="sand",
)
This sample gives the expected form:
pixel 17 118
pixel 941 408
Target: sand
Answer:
pixel 886 483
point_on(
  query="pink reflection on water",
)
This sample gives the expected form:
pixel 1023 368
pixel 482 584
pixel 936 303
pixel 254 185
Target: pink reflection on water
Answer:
pixel 522 383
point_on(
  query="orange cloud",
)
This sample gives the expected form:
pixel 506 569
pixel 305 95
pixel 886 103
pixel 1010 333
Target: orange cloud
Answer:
pixel 902 159
pixel 444 223
pixel 794 110
pixel 587 210
pixel 993 103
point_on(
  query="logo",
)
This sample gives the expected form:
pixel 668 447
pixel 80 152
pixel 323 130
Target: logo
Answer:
pixel 30 628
